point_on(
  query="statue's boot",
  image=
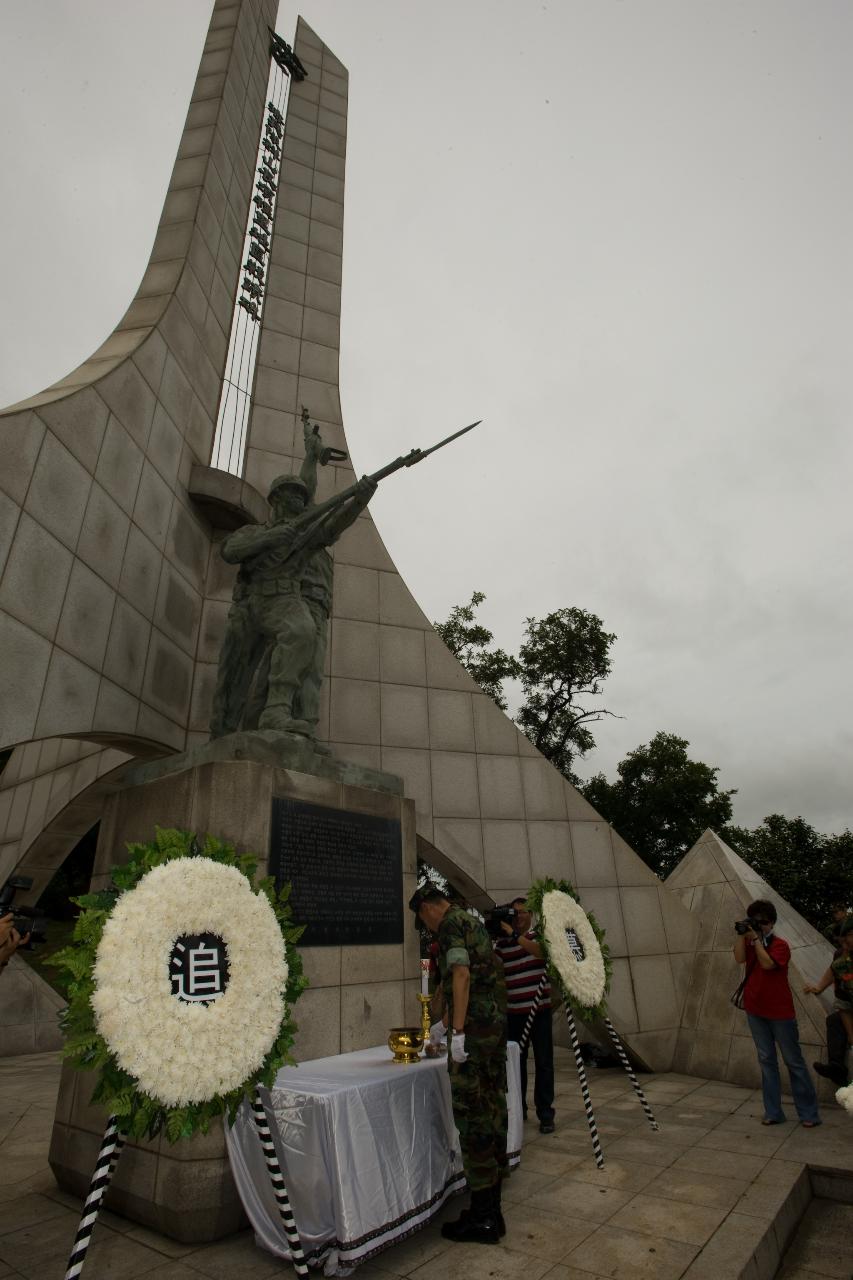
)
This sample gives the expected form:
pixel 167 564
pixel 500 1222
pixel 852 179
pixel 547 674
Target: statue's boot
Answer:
pixel 307 730
pixel 279 719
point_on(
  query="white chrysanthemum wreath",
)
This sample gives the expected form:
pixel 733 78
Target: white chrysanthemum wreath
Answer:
pixel 574 945
pixel 182 1052
pixel 184 977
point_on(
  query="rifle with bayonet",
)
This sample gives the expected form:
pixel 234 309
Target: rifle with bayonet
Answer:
pixel 316 515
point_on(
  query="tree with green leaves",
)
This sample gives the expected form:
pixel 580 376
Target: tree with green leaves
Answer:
pixel 469 641
pixel 563 659
pixel 811 871
pixel 661 801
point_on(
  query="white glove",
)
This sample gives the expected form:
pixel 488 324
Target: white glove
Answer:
pixel 457 1047
pixel 437 1032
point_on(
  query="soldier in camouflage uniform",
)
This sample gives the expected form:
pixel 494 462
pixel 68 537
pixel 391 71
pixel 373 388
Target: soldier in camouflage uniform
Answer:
pixel 472 1002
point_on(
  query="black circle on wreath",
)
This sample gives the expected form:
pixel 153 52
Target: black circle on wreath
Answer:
pixel 576 945
pixel 198 968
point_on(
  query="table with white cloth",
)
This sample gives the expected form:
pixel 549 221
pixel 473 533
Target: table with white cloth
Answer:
pixel 368 1149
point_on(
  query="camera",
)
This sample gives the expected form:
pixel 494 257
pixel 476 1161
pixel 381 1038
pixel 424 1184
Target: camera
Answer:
pixel 744 926
pixel 25 919
pixel 496 917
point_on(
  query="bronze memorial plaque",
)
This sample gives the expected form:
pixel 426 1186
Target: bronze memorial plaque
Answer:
pixel 346 872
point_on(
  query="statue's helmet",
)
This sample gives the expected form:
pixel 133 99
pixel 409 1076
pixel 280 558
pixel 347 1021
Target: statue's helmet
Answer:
pixel 289 482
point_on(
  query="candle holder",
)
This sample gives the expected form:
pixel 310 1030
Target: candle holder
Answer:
pixel 425 1002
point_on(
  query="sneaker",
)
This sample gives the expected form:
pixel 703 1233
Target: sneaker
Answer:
pixel 547 1126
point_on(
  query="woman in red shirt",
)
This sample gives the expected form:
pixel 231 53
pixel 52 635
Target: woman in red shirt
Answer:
pixel 772 1020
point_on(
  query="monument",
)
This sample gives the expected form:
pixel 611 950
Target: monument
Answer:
pixel 116 600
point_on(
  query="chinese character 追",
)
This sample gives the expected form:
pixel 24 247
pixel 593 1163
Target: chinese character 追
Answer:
pixel 198 973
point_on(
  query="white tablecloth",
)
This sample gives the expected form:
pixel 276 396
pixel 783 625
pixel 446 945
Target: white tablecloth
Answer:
pixel 368 1149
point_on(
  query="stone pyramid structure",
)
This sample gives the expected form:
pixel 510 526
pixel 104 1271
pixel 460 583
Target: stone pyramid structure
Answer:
pixel 717 885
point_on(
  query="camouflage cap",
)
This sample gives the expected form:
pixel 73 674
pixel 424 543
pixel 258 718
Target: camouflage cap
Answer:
pixel 426 892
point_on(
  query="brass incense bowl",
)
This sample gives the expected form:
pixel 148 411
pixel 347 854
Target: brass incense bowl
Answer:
pixel 406 1043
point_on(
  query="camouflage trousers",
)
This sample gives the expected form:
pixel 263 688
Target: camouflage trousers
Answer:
pixel 478 1092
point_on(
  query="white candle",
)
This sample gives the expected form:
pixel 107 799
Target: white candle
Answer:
pixel 425 977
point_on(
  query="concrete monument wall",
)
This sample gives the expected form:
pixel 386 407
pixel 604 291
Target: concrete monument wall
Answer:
pixel 113 595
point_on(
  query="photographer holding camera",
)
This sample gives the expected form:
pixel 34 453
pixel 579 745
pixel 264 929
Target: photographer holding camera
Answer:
pixel 524 966
pixel 769 1008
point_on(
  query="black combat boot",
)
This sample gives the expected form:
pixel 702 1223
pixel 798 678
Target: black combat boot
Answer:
pixel 838 1075
pixel 496 1205
pixel 476 1225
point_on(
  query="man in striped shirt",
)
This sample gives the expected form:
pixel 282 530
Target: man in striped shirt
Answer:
pixel 524 967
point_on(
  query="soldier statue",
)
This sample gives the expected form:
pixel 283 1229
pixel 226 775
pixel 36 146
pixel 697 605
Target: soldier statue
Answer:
pixel 278 621
pixel 279 616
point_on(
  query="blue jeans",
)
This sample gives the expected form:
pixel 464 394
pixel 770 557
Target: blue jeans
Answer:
pixel 767 1034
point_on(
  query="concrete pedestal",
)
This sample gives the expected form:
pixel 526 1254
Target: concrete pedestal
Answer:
pixel 356 993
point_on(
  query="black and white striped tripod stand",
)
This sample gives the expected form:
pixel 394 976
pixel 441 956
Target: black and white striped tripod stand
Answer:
pixel 579 1063
pixel 111 1147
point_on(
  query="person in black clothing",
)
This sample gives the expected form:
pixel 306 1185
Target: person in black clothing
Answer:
pixel 837 1044
pixel 838 1037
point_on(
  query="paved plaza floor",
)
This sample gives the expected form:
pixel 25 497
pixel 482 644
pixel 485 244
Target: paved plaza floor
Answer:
pixel 712 1196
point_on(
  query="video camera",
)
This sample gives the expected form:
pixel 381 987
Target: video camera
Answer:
pixel 25 919
pixel 496 917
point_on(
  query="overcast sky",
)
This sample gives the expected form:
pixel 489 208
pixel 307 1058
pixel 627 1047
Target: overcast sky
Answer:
pixel 620 233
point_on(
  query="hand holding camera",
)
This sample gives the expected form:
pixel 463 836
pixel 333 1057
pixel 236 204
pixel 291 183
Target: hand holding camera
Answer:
pixel 21 928
pixel 500 921
pixel 10 939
